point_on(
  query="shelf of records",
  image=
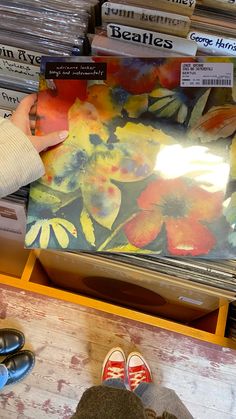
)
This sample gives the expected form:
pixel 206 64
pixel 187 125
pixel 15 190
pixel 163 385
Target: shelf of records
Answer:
pixel 187 296
pixel 157 285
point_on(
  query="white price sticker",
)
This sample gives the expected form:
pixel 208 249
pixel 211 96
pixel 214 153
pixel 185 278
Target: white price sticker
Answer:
pixel 207 75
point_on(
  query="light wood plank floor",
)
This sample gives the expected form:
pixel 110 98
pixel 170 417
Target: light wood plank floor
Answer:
pixel 70 343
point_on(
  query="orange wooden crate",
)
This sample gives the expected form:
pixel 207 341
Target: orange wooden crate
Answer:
pixel 34 279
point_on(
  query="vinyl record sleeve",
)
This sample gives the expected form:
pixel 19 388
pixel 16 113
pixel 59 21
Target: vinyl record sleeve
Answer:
pixel 149 165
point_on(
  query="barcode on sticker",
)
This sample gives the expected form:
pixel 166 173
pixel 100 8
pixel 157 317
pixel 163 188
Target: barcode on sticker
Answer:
pixel 216 82
pixel 207 74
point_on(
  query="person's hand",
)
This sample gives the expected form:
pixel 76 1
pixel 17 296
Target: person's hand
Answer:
pixel 22 118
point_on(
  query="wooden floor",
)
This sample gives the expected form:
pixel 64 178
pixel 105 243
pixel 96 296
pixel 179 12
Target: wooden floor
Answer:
pixel 70 343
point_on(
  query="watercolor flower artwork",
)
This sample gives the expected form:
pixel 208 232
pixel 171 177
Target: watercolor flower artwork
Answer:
pixel 148 166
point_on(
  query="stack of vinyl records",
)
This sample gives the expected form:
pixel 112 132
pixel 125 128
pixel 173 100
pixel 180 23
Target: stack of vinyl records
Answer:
pixel 166 28
pixel 214 273
pixel 32 28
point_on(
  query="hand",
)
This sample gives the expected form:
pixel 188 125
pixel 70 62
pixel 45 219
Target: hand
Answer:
pixel 22 119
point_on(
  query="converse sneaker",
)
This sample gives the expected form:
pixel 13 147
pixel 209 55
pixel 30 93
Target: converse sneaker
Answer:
pixel 114 365
pixel 138 370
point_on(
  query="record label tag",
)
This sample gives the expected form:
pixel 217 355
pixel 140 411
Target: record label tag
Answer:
pixel 207 75
pixel 76 71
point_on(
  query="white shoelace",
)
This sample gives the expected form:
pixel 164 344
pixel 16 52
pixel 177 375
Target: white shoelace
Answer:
pixel 137 377
pixel 115 372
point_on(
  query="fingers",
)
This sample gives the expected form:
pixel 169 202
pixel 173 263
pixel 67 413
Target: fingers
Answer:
pixel 32 117
pixel 21 115
pixel 32 125
pixel 23 118
pixel 46 141
pixel 33 109
pixel 27 103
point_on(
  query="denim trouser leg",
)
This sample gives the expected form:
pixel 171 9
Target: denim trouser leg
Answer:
pixel 3 375
pixel 114 382
pixel 146 392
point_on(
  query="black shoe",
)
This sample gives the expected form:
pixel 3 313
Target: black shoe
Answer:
pixel 19 366
pixel 11 341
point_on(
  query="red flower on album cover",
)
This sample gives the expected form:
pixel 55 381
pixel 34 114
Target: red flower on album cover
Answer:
pixel 182 210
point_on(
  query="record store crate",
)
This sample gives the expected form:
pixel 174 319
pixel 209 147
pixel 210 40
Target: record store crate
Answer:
pixel 32 277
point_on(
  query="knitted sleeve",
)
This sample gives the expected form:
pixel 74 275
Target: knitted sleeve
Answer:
pixel 20 163
pixel 101 402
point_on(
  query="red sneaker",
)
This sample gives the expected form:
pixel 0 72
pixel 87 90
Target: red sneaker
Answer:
pixel 114 365
pixel 137 370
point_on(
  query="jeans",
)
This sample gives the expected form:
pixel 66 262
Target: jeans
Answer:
pixel 3 376
pixel 145 391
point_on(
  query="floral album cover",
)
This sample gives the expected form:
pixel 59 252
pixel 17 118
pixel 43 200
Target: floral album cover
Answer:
pixel 149 165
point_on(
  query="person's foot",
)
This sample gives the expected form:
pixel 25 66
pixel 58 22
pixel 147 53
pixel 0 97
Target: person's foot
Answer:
pixel 114 365
pixel 19 366
pixel 138 370
pixel 11 341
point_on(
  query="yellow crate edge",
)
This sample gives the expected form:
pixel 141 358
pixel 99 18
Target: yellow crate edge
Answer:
pixel 117 310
